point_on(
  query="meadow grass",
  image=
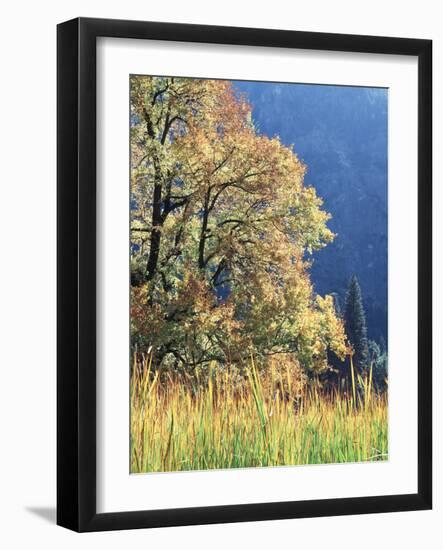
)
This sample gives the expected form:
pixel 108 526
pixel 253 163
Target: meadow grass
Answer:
pixel 179 423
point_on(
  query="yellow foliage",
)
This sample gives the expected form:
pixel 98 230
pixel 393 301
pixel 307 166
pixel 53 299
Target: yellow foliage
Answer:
pixel 221 224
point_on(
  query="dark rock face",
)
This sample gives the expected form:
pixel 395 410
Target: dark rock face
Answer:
pixel 340 133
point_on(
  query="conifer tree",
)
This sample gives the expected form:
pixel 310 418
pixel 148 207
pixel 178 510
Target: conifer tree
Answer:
pixel 355 325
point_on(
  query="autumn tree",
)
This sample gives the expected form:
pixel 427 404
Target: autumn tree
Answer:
pixel 222 226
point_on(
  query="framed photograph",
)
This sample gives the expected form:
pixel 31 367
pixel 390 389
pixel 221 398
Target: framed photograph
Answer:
pixel 244 274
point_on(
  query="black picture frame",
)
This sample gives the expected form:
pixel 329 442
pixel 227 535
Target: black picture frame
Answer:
pixel 76 281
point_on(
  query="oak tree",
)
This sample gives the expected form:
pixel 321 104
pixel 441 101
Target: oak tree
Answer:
pixel 222 227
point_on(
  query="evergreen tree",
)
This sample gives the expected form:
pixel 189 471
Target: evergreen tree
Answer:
pixel 378 358
pixel 355 325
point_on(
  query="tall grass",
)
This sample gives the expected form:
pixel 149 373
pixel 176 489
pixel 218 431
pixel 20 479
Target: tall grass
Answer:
pixel 183 423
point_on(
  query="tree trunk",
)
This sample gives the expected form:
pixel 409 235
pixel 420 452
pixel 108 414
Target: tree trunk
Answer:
pixel 203 236
pixel 157 221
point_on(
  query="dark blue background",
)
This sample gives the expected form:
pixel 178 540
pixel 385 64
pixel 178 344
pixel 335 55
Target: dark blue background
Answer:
pixel 340 133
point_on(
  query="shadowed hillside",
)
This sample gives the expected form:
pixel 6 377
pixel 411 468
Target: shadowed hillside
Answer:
pixel 341 134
